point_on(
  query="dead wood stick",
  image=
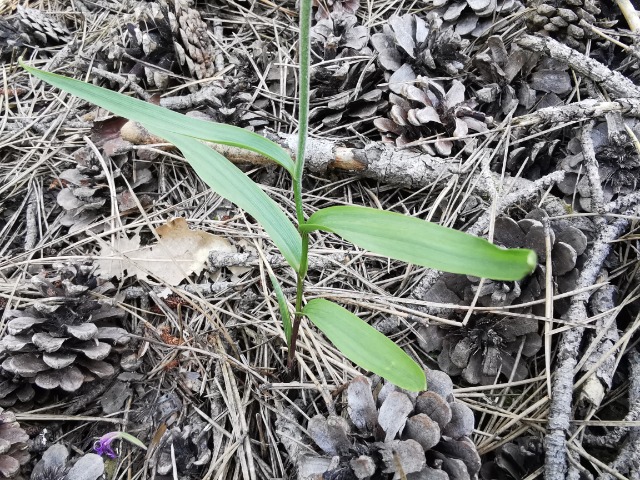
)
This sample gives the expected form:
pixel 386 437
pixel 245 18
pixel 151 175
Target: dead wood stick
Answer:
pixel 568 353
pixel 384 163
pixel 31 238
pixel 593 172
pixel 628 460
pixel 583 110
pixel 615 83
pixel 600 358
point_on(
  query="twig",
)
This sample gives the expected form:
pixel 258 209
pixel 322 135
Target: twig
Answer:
pixel 218 35
pixel 119 79
pixel 591 165
pixel 568 353
pixel 585 109
pixel 606 335
pixel 615 83
pixel 32 221
pixel 43 417
pixel 628 459
pixel 630 14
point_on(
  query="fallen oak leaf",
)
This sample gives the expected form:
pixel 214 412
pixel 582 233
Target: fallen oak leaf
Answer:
pixel 179 253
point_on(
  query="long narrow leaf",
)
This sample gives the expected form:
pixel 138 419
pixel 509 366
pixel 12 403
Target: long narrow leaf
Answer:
pixel 423 243
pixel 364 345
pixel 230 182
pixel 155 116
pixel 284 309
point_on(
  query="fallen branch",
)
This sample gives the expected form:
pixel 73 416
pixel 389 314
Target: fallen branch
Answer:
pixel 568 353
pixel 615 83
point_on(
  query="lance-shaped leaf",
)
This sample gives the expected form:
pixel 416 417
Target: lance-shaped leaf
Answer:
pixel 284 309
pixel 364 345
pixel 155 116
pixel 422 243
pixel 231 183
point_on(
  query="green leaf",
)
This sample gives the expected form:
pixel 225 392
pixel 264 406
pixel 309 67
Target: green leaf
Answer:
pixel 231 183
pixel 158 117
pixel 284 309
pixel 364 345
pixel 422 243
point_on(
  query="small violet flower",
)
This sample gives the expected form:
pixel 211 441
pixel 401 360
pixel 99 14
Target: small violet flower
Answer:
pixel 103 445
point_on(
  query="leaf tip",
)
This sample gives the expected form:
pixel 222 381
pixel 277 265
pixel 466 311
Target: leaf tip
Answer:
pixel 417 384
pixel 532 261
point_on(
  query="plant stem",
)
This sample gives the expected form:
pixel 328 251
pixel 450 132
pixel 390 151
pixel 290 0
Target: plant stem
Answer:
pixel 299 292
pixel 303 127
pixel 303 105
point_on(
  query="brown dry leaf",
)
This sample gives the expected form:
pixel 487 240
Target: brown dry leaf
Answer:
pixel 179 253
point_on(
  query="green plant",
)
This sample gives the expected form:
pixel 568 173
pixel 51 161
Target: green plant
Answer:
pixel 389 234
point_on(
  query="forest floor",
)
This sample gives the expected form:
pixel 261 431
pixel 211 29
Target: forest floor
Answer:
pixel 134 299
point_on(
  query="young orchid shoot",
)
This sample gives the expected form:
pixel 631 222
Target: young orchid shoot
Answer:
pixel 389 234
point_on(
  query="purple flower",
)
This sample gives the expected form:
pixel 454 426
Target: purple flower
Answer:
pixel 103 445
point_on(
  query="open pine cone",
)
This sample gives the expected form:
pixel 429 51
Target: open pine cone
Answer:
pixel 168 34
pixel 422 435
pixel 84 194
pixel 488 346
pixel 189 444
pixel 618 163
pixel 474 17
pixel 13 447
pixel 514 460
pixel 421 108
pixel 424 45
pixel 485 348
pixel 64 342
pixel 342 40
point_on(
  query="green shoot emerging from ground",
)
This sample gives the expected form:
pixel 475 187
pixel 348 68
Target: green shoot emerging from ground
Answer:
pixel 389 234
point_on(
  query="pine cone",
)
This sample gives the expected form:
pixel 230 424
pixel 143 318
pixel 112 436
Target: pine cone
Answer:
pixel 424 45
pixel 474 17
pixel 488 346
pixel 85 191
pixel 497 70
pixel 618 164
pixel 30 27
pixel 423 434
pixel 189 444
pixel 170 35
pixel 62 343
pixel 567 21
pixel 56 465
pixel 421 108
pixel 229 100
pixel 339 36
pixel 13 447
pixel 11 38
pixel 42 28
pixel 327 7
pixel 514 460
pixel 333 84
